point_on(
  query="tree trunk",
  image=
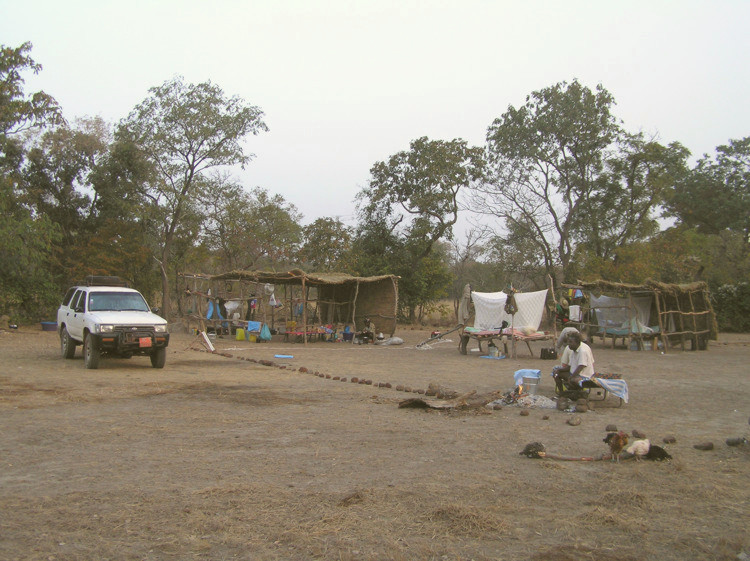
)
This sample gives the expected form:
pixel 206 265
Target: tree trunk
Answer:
pixel 165 303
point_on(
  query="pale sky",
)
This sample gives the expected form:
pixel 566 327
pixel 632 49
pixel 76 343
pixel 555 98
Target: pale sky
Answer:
pixel 346 83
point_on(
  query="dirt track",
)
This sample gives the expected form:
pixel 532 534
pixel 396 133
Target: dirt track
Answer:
pixel 221 458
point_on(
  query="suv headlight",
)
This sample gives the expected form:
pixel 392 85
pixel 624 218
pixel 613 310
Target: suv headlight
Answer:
pixel 106 328
pixel 160 328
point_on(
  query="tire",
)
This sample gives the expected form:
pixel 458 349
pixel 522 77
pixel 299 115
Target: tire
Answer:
pixel 91 353
pixel 159 357
pixel 67 344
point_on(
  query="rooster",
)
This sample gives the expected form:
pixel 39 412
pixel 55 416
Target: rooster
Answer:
pixel 617 441
pixel 639 448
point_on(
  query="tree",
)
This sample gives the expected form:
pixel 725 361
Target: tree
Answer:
pixel 416 192
pixel 544 159
pixel 410 204
pixel 56 177
pixel 186 130
pixel 517 257
pixel 715 195
pixel 465 259
pixel 76 177
pixel 249 229
pixel 27 283
pixel 19 112
pixel 27 239
pixel 326 242
pixel 563 172
pixel 621 209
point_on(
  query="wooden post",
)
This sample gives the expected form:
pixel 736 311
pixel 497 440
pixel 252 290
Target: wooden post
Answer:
pixel 554 303
pixel 395 305
pixel 681 326
pixel 354 309
pixel 304 312
pixel 662 334
pixel 695 324
pixel 631 307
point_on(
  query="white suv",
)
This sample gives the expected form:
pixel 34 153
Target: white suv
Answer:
pixel 110 319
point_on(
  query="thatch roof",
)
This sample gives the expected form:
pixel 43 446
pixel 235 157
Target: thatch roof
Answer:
pixel 647 286
pixel 295 276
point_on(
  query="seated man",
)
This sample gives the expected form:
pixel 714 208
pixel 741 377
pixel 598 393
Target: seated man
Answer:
pixel 368 331
pixel 562 340
pixel 576 366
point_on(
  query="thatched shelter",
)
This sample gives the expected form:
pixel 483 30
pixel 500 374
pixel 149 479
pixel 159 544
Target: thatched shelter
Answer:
pixel 674 314
pixel 309 299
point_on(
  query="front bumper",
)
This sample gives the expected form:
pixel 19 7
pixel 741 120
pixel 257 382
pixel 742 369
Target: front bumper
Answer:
pixel 132 341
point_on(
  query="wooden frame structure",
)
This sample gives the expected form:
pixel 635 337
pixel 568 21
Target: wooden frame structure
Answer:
pixel 684 312
pixel 314 299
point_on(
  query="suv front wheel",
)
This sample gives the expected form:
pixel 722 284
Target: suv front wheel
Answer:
pixel 159 357
pixel 67 344
pixel 91 353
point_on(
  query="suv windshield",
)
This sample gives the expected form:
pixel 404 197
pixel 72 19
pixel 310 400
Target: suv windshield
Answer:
pixel 116 302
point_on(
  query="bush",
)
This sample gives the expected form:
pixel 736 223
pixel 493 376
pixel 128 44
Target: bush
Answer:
pixel 731 303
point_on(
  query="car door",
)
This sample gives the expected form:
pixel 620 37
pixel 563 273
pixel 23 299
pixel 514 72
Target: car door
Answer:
pixel 74 316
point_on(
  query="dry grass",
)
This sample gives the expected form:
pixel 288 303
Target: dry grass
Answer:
pixel 216 458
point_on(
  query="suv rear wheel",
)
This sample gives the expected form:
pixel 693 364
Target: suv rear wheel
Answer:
pixel 67 345
pixel 91 353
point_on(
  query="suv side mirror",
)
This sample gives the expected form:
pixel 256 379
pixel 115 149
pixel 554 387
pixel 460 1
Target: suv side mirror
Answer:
pixel 155 310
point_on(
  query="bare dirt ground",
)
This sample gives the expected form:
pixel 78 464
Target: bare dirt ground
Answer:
pixel 215 457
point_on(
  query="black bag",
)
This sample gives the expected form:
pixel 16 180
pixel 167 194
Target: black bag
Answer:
pixel 548 353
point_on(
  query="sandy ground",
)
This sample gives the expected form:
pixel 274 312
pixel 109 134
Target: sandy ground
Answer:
pixel 217 457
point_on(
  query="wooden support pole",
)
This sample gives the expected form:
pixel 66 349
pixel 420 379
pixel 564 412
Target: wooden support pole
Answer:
pixel 554 304
pixel 304 311
pixel 695 324
pixel 662 334
pixel 354 309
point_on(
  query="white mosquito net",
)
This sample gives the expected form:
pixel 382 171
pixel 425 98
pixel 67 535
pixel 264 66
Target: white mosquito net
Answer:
pixel 616 313
pixel 490 310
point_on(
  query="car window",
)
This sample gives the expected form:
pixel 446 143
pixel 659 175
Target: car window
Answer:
pixel 75 302
pixel 68 295
pixel 116 302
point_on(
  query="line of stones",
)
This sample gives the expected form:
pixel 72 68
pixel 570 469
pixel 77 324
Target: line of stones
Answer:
pixel 305 370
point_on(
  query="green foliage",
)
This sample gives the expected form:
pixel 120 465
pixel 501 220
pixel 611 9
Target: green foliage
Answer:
pixel 28 276
pixel 574 193
pixel 249 230
pixel 518 257
pixel 423 285
pixel 410 204
pixel 184 130
pixel 28 288
pixel 563 173
pixel 732 307
pixel 19 112
pixel 326 242
pixel 416 192
pixel 715 195
pixel 620 210
pixel 55 178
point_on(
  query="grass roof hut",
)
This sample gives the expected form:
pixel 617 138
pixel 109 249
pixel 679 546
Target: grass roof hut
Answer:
pixel 310 299
pixel 678 314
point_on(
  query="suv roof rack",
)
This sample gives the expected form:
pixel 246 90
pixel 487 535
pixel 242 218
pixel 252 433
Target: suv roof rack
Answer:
pixel 97 280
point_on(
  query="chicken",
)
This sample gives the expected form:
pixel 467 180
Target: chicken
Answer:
pixel 617 441
pixel 639 448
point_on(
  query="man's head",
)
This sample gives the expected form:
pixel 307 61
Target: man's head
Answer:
pixel 574 341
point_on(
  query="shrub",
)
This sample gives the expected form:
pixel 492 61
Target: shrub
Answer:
pixel 731 303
